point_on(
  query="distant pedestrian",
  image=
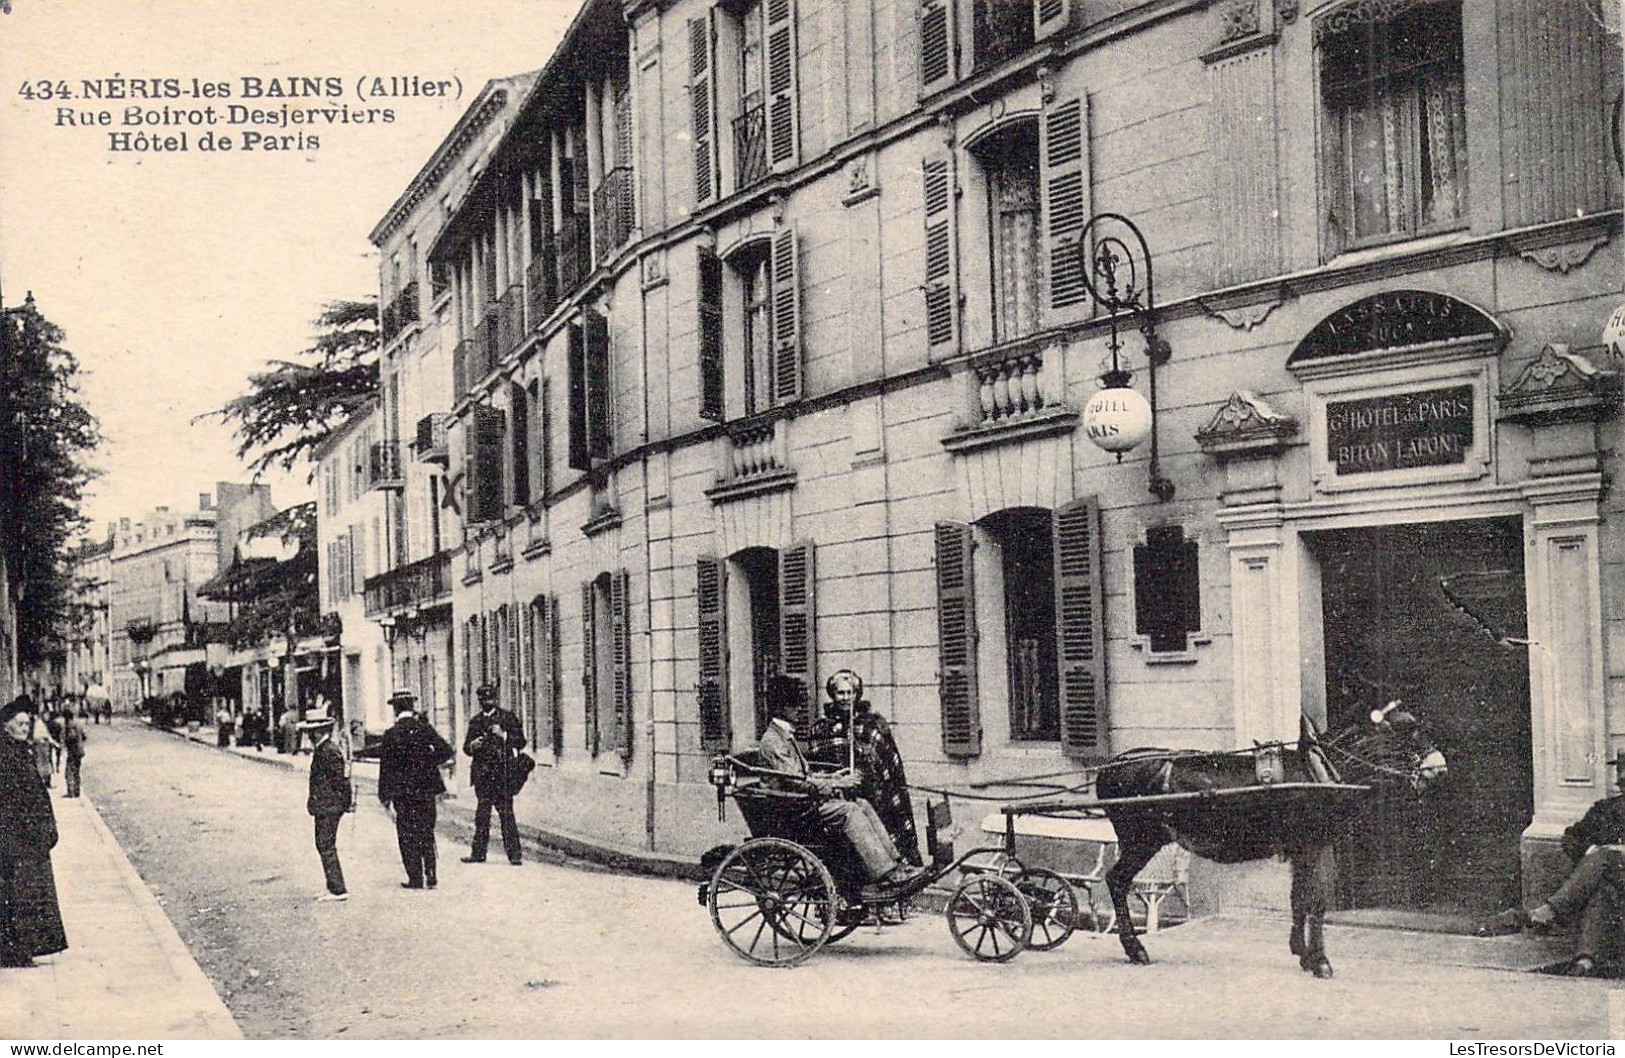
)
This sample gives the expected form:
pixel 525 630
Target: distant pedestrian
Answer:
pixel 409 761
pixel 107 710
pixel 494 736
pixel 44 749
pixel 74 737
pixel 55 725
pixel 287 730
pixel 328 800
pixel 30 920
pixel 223 724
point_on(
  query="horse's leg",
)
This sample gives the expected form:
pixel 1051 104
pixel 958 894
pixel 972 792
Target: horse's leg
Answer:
pixel 1136 844
pixel 1313 874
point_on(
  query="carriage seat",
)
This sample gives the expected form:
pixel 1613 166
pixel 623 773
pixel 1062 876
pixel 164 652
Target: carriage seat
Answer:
pixel 1083 850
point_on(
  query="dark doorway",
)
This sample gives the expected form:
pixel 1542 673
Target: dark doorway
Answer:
pixel 761 568
pixel 1426 613
pixel 1026 549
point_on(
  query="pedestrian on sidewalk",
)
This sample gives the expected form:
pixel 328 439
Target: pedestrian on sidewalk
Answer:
pixel 30 920
pixel 223 724
pixel 494 736
pixel 328 800
pixel 44 748
pixel 74 737
pixel 409 761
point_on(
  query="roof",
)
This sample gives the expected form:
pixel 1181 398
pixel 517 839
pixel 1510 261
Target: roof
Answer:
pixel 486 105
pixel 256 569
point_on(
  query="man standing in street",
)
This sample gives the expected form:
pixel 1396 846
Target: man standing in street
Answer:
pixel 328 801
pixel 408 782
pixel 494 736
pixel 74 737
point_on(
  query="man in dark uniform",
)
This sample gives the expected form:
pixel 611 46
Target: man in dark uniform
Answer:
pixel 1594 890
pixel 494 736
pixel 329 799
pixel 409 781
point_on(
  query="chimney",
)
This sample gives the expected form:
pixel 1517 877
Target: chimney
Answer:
pixel 124 523
pixel 203 502
pixel 163 510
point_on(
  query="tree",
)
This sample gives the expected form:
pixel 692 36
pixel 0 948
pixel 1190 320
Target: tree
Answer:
pixel 290 409
pixel 45 433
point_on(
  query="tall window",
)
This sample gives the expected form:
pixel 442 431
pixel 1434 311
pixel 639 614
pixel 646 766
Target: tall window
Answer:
pixel 1010 160
pixel 750 351
pixel 1026 561
pixel 1394 141
pixel 756 296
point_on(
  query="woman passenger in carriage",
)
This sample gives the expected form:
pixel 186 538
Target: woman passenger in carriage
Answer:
pixel 874 755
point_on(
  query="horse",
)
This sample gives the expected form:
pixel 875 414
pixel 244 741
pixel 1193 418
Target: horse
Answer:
pixel 1392 749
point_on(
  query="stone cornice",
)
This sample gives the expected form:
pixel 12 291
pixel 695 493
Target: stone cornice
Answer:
pixel 1246 427
pixel 1560 386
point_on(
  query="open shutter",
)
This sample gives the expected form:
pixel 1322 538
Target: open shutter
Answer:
pixel 589 666
pixel 525 664
pixel 1050 17
pixel 483 463
pixel 941 293
pixel 711 591
pixel 600 432
pixel 579 457
pixel 939 46
pixel 1064 169
pixel 541 668
pixel 783 121
pixel 544 447
pixel 512 676
pixel 1079 630
pixel 787 381
pixel 544 267
pixel 620 616
pixel 702 104
pixel 555 685
pixel 956 641
pixel 470 634
pixel 797 651
pixel 358 553
pixel 709 300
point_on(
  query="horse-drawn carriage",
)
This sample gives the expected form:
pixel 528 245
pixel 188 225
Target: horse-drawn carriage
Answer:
pixel 781 896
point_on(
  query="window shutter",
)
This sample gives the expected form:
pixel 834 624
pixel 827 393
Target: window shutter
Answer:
pixel 939 46
pixel 600 431
pixel 798 656
pixel 787 381
pixel 1064 169
pixel 1050 17
pixel 782 117
pixel 589 667
pixel 484 459
pixel 491 670
pixel 544 455
pixel 536 427
pixel 525 663
pixel 711 591
pixel 1079 630
pixel 709 300
pixel 941 295
pixel 469 634
pixel 956 641
pixel 545 264
pixel 554 688
pixel 620 616
pixel 579 457
pixel 358 557
pixel 513 680
pixel 702 104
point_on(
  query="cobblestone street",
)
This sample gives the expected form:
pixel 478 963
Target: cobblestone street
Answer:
pixel 549 950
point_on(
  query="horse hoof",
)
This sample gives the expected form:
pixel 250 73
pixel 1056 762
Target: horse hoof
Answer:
pixel 1317 966
pixel 1137 954
pixel 1295 946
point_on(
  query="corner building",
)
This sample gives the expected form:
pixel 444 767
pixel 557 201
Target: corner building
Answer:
pixel 772 345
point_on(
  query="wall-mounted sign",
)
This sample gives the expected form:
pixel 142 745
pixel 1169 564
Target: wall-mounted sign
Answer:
pixel 1399 431
pixel 1393 320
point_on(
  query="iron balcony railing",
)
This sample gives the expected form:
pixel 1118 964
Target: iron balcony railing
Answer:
pixel 750 146
pixel 384 469
pixel 541 287
pixel 575 253
pixel 430 444
pixel 419 585
pixel 401 312
pixel 613 210
pixel 509 318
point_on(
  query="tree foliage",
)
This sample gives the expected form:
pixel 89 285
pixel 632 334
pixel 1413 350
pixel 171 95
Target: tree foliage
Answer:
pixel 45 435
pixel 290 409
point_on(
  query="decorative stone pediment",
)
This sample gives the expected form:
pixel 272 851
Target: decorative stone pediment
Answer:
pixel 1560 385
pixel 1246 426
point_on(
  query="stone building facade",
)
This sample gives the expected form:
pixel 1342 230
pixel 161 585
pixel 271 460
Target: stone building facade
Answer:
pixel 773 337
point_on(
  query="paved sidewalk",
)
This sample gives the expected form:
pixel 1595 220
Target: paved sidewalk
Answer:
pixel 126 975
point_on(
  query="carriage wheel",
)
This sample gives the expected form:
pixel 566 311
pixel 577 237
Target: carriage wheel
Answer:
pixel 989 918
pixel 1054 905
pixel 772 902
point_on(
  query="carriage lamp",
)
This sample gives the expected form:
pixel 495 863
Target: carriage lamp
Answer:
pixel 722 777
pixel 1115 262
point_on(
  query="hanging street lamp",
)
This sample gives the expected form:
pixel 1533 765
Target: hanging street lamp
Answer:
pixel 1117 274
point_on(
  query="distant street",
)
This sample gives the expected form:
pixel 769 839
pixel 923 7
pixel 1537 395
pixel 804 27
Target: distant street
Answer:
pixel 547 950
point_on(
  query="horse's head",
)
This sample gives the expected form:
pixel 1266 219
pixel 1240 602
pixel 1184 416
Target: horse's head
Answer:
pixel 1394 747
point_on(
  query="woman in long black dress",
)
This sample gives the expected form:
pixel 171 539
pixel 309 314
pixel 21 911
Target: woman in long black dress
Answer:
pixel 873 753
pixel 30 921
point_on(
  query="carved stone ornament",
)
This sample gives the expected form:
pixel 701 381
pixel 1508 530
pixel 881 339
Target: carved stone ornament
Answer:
pixel 1567 257
pixel 860 180
pixel 1246 425
pixel 654 270
pixel 1560 385
pixel 1359 13
pixel 1237 19
pixel 1244 317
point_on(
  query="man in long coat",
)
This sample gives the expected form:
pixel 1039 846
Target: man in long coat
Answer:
pixel 30 921
pixel 409 780
pixel 494 737
pixel 328 800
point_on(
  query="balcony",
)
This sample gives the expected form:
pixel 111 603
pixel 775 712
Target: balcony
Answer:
pixel 430 444
pixel 541 288
pixel 141 630
pixel 613 210
pixel 476 355
pixel 420 585
pixel 401 312
pixel 509 316
pixel 1013 397
pixel 754 458
pixel 750 147
pixel 384 467
pixel 575 253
